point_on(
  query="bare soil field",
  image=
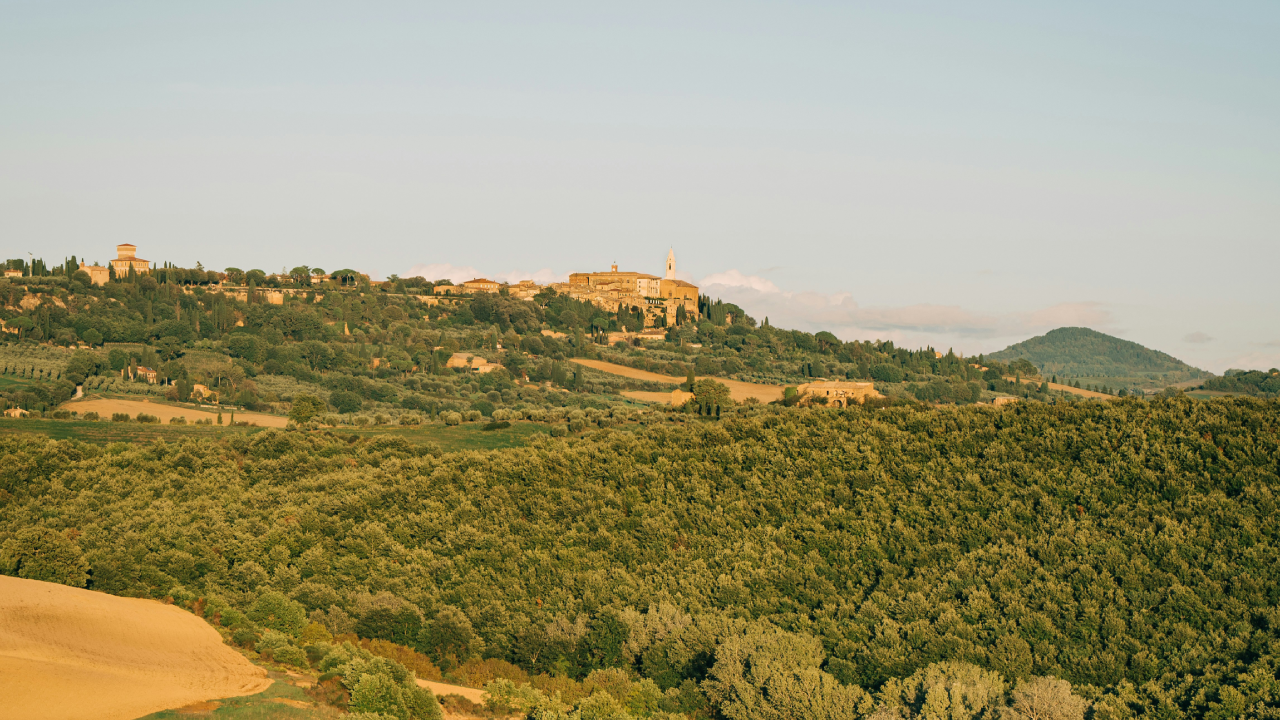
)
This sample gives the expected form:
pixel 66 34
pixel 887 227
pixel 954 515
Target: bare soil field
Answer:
pixel 738 390
pixel 1064 388
pixel 68 653
pixel 107 406
pixel 440 689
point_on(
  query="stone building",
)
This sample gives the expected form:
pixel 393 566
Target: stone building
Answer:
pixel 481 285
pixel 659 297
pixel 126 258
pixel 98 274
pixel 838 393
pixel 468 287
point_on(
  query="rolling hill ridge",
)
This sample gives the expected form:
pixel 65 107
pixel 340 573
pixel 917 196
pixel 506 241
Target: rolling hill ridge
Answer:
pixel 1077 352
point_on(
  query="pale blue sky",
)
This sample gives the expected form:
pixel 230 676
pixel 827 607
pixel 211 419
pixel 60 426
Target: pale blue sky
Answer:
pixel 961 174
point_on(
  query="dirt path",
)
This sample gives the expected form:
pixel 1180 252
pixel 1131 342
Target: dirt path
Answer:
pixel 646 396
pixel 106 406
pixel 472 694
pixel 67 653
pixel 738 390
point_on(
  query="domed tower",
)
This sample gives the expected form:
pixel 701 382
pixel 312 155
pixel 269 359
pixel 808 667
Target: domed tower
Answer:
pixel 671 264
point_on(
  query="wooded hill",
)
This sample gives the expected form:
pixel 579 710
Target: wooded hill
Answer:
pixel 785 562
pixel 1081 353
pixel 378 350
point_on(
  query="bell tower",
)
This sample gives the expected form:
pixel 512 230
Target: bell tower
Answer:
pixel 671 264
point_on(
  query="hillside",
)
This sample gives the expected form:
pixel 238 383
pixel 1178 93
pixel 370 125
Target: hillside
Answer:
pixel 66 652
pixel 1081 353
pixel 686 568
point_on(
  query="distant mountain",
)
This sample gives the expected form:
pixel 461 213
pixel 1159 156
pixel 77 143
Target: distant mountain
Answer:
pixel 1076 352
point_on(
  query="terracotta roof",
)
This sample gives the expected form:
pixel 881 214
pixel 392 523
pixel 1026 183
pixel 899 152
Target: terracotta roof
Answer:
pixel 480 280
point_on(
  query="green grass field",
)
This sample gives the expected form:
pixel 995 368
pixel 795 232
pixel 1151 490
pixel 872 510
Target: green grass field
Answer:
pixel 12 382
pixel 468 436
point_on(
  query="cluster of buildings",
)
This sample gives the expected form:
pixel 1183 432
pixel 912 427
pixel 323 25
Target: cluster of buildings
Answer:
pixel 126 259
pixel 659 298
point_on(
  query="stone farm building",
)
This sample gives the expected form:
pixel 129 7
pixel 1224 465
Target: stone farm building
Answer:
pixel 98 274
pixel 838 393
pixel 468 287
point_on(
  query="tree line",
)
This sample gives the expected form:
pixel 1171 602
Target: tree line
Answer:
pixel 866 559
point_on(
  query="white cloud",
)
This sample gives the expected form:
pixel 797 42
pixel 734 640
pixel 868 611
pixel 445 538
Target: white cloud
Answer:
pixel 937 325
pixel 1253 361
pixel 734 278
pixel 463 273
pixel 1198 338
pixel 444 271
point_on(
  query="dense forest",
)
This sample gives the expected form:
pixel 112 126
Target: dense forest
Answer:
pixel 1046 560
pixel 1249 382
pixel 1075 352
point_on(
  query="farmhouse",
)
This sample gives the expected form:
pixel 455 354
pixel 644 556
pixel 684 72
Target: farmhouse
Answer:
pixel 461 360
pixel 838 393
pixel 98 274
pixel 13 273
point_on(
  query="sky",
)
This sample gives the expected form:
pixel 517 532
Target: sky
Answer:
pixel 960 175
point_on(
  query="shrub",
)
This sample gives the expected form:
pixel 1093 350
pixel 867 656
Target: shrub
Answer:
pixel 362 420
pixel 496 425
pixel 145 418
pixel 420 664
pixel 887 373
pixel 120 417
pixel 90 416
pixel 38 553
pixel 275 611
pixel 378 694
pixel 345 401
pixel 451 418
pixel 315 632
pixel 479 673
pixel 177 421
pixel 271 641
pixel 306 407
pixel 291 655
pixel 244 636
pixel 410 419
pixel 449 638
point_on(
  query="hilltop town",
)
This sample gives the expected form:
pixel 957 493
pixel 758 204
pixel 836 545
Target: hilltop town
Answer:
pixel 662 301
pixel 341 348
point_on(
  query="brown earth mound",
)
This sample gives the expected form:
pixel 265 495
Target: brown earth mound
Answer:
pixel 68 653
pixel 107 406
pixel 738 390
